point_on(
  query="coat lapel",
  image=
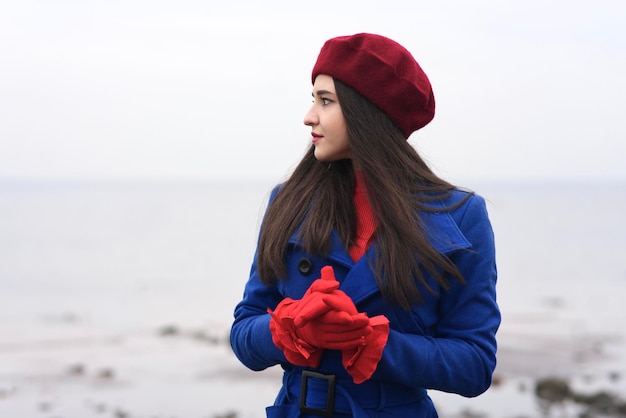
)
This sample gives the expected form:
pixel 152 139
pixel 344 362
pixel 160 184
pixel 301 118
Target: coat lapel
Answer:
pixel 360 281
pixel 443 233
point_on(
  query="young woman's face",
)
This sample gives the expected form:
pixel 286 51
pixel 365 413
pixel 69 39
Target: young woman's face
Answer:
pixel 328 127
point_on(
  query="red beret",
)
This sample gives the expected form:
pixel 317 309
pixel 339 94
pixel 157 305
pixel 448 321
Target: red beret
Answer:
pixel 385 73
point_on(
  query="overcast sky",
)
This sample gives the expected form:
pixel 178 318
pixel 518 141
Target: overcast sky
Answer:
pixel 200 89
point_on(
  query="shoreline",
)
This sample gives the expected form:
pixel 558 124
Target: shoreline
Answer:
pixel 171 372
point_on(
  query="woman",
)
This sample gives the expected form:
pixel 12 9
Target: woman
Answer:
pixel 373 278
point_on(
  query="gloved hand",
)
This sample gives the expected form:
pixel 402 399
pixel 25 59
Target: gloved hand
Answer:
pixel 296 350
pixel 361 361
pixel 335 330
pixel 322 296
pixel 326 317
pixel 362 347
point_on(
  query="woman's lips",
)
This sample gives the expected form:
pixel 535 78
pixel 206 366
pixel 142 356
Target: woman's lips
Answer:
pixel 316 137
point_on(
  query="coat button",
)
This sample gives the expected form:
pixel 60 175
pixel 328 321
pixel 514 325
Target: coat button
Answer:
pixel 305 266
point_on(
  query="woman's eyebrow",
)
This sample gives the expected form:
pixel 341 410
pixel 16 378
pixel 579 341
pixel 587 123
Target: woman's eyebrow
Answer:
pixel 321 92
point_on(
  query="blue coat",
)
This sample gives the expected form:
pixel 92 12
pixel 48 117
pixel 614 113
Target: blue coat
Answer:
pixel 445 343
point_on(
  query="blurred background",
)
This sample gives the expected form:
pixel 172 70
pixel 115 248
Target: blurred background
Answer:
pixel 139 141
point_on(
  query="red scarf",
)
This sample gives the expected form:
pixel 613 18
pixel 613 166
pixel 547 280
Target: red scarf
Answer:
pixel 365 221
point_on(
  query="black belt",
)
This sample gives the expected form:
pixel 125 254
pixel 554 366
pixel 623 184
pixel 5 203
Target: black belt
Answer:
pixel 328 410
pixel 371 394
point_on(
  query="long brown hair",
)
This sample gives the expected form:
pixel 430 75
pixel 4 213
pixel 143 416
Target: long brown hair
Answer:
pixel 317 198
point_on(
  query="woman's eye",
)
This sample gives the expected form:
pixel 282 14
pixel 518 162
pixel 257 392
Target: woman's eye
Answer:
pixel 323 100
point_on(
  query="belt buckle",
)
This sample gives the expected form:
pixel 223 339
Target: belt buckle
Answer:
pixel 330 397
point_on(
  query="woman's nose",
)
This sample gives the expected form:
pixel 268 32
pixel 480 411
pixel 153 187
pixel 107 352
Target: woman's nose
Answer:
pixel 310 117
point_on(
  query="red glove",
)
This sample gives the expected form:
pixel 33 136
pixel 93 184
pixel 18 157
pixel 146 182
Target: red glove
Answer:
pixel 361 361
pixel 326 317
pixel 336 330
pixel 296 350
pixel 322 296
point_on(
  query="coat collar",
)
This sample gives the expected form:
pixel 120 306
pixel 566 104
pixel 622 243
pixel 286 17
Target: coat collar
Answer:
pixel 443 232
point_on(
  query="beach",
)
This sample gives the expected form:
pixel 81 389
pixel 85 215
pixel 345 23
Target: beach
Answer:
pixel 116 301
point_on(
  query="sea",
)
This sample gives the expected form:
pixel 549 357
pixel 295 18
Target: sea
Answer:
pixel 96 275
